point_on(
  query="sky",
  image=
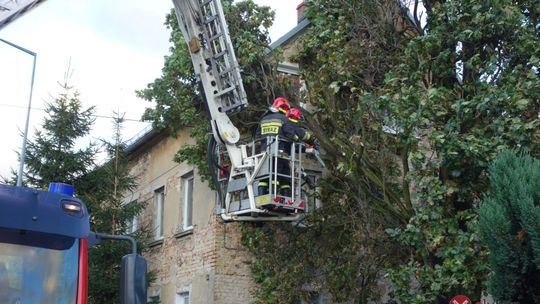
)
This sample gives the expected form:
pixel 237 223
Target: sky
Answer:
pixel 110 48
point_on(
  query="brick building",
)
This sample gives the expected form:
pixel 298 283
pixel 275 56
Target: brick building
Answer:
pixel 196 257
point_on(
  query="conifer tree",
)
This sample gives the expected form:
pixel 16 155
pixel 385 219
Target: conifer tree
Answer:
pixel 53 155
pixel 104 190
pixel 510 226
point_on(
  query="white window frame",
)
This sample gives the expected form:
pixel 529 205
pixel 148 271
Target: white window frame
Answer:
pixel 159 200
pixel 181 296
pixel 154 294
pixel 134 223
pixel 187 214
pixel 154 298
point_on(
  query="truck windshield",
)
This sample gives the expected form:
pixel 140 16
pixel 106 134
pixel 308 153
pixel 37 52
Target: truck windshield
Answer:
pixel 37 268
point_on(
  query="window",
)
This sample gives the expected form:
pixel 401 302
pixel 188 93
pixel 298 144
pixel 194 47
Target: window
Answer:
pixel 182 298
pixel 154 299
pixel 187 183
pixel 154 295
pixel 159 199
pixel 38 267
pixel 133 225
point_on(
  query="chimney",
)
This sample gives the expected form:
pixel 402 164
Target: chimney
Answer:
pixel 300 11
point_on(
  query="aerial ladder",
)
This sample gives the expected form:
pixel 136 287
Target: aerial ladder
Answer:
pixel 205 31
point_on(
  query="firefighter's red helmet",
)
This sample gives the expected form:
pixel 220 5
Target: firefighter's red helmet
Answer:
pixel 280 105
pixel 295 114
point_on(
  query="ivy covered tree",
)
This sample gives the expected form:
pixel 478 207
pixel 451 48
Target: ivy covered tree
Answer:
pixel 510 226
pixel 52 155
pixel 410 114
pixel 465 89
pixel 343 56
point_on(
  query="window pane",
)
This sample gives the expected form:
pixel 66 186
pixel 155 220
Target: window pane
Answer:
pixel 34 273
pixel 133 225
pixel 182 298
pixel 159 197
pixel 154 299
pixel 188 202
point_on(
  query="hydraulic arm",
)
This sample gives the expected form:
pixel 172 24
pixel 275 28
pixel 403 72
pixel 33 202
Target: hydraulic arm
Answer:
pixel 204 28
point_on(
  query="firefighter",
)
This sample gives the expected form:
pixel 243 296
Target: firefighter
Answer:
pixel 297 133
pixel 273 124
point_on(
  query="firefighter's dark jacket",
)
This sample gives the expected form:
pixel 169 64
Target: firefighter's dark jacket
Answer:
pixel 277 124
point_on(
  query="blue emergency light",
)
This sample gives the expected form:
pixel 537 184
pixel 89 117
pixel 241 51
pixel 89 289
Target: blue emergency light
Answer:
pixel 61 188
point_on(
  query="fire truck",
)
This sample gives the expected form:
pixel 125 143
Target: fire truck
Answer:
pixel 44 242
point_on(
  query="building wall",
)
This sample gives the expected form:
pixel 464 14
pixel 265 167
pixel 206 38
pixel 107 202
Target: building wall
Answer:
pixel 232 269
pixel 208 260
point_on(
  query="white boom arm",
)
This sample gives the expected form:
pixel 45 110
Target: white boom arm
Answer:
pixel 203 26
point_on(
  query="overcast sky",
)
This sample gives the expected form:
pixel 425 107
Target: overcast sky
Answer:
pixel 112 48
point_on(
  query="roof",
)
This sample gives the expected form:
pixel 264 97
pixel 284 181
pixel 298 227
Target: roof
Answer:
pixel 304 23
pixel 144 139
pixel 290 34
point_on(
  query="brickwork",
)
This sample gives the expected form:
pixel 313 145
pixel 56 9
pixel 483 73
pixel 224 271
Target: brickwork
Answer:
pixel 207 261
pixel 232 269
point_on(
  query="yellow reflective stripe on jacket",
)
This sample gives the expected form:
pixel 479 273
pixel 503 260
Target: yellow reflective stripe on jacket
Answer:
pixel 274 182
pixel 271 127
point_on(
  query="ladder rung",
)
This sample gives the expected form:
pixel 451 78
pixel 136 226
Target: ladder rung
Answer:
pixel 283 175
pixel 236 108
pixel 216 36
pixel 225 72
pixel 210 19
pixel 220 54
pixel 206 2
pixel 223 92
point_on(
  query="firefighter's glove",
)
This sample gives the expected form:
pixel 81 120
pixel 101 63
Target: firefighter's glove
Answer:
pixel 316 143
